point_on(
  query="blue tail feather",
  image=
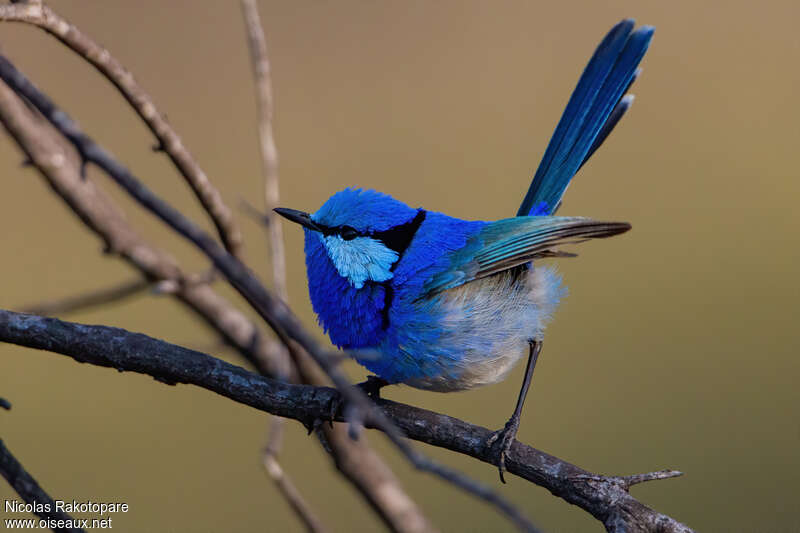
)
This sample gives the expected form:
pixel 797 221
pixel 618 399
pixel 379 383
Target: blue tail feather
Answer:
pixel 619 110
pixel 595 107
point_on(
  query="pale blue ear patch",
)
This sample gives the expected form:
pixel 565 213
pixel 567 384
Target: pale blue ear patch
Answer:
pixel 361 259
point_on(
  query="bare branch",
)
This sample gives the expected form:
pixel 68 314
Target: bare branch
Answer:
pixel 43 148
pixel 365 469
pixel 269 152
pixel 46 151
pixel 106 295
pixel 606 498
pixel 284 483
pixel 273 310
pixel 29 490
pixel 355 460
pixel 42 16
pixel 269 165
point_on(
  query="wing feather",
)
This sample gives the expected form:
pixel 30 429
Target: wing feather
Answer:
pixel 515 241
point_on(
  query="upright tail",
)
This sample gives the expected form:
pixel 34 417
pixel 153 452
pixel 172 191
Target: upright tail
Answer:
pixel 595 107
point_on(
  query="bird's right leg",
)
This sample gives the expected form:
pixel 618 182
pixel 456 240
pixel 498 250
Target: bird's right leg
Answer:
pixel 505 437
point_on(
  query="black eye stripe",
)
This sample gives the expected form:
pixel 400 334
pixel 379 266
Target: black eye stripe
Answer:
pixel 347 233
pixel 397 238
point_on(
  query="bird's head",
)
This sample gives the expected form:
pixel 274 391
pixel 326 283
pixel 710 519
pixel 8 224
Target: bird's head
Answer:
pixel 363 233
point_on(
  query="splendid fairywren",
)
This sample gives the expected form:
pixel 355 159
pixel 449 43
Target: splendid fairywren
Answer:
pixel 445 304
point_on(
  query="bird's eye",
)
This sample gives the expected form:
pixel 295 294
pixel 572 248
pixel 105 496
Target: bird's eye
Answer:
pixel 347 233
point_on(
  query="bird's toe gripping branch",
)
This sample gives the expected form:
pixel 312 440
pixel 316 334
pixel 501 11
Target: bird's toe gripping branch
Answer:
pixel 500 441
pixel 371 387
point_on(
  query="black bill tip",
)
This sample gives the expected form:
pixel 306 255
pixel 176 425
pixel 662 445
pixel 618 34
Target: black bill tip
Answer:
pixel 299 217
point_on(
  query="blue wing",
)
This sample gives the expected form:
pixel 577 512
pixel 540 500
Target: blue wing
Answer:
pixel 595 107
pixel 511 242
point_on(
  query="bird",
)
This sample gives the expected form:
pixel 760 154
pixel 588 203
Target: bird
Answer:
pixel 443 304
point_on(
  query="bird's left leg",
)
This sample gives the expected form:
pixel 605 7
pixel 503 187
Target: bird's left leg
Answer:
pixel 372 386
pixel 503 438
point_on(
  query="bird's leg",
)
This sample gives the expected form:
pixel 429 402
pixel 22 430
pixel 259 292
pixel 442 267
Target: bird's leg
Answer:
pixel 506 436
pixel 371 387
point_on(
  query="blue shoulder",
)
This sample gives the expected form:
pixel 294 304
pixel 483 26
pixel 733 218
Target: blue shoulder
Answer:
pixel 431 251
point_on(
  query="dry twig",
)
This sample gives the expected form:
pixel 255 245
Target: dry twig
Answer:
pixel 104 296
pixel 47 152
pixel 169 142
pixel 269 164
pixel 284 483
pixel 269 152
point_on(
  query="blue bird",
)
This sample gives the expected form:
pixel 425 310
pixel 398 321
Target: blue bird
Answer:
pixel 444 304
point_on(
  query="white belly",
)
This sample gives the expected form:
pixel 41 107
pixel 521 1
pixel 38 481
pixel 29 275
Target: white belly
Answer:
pixel 489 323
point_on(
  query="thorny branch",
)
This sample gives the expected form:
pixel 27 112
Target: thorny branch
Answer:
pixel 605 497
pixel 276 313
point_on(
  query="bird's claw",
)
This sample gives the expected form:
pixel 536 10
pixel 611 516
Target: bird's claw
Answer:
pixel 500 442
pixel 371 387
pixel 333 409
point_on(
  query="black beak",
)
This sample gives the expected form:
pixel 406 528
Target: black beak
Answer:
pixel 300 217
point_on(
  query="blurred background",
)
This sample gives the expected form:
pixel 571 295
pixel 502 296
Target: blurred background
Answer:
pixel 676 348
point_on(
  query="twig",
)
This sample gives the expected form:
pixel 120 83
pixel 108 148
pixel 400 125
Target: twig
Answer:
pixel 269 152
pixel 47 152
pixel 42 16
pixel 78 302
pixel 359 463
pixel 635 479
pixel 173 286
pixel 284 483
pixel 273 310
pixel 29 490
pixel 365 469
pixel 269 165
pixel 604 497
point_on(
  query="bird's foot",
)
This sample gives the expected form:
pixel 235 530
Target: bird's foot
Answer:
pixel 500 441
pixel 371 387
pixel 334 406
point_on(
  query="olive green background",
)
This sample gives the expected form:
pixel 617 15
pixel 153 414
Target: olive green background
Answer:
pixel 676 348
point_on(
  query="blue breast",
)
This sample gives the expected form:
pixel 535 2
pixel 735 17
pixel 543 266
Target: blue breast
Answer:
pixel 352 318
